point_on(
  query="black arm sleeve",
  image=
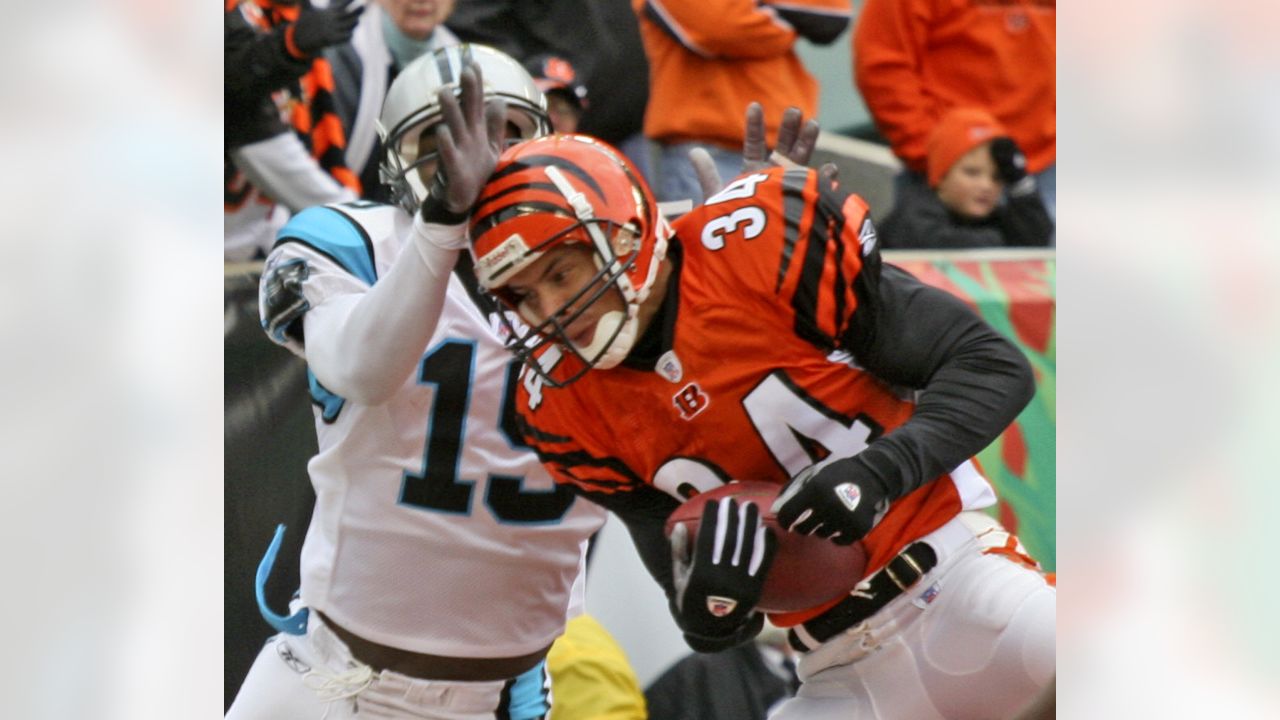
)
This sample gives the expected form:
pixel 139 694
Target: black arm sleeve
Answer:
pixel 973 382
pixel 1024 221
pixel 644 511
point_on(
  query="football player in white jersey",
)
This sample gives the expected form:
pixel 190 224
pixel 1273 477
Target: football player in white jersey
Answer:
pixel 441 560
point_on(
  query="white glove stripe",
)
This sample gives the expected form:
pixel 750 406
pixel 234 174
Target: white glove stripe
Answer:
pixel 757 556
pixel 742 528
pixel 722 523
pixel 799 519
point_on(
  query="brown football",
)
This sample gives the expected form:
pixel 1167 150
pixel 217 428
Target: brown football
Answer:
pixel 806 571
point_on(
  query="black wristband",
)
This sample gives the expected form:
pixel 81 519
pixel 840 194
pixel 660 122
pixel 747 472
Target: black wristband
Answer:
pixel 434 211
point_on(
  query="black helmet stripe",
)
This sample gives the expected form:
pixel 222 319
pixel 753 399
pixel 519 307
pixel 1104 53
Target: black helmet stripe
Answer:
pixel 523 186
pixel 543 160
pixel 497 217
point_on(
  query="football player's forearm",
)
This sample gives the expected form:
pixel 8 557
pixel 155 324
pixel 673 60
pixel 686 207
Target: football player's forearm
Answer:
pixel 963 410
pixel 973 382
pixel 644 511
pixel 363 347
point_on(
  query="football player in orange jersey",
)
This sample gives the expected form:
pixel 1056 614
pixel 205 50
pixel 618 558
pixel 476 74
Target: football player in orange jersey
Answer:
pixel 760 337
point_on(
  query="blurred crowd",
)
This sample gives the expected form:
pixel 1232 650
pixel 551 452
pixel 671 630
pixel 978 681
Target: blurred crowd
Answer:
pixel 965 96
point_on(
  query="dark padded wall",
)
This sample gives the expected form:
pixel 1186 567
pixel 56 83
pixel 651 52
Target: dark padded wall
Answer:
pixel 268 435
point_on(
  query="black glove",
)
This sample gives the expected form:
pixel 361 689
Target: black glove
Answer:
pixel 714 644
pixel 1011 166
pixel 719 581
pixel 841 500
pixel 316 29
pixel 470 140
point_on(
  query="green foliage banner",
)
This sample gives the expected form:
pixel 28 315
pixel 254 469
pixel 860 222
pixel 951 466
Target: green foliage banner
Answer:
pixel 1017 297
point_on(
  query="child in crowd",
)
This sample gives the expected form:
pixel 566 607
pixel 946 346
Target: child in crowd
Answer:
pixel 972 162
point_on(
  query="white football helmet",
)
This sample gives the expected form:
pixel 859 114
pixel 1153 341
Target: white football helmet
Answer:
pixel 411 108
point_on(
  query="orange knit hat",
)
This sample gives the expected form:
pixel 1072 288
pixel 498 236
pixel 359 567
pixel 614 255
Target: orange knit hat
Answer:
pixel 959 131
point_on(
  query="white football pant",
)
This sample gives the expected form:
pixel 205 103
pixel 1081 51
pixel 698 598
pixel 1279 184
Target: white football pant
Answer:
pixel 298 677
pixel 973 639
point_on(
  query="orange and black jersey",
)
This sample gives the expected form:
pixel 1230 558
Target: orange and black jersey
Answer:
pixel 782 340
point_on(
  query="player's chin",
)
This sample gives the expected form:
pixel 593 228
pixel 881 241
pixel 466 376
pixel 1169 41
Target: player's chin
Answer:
pixel 581 333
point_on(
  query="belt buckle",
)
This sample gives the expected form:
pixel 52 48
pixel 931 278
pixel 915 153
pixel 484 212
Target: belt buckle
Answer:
pixel 888 569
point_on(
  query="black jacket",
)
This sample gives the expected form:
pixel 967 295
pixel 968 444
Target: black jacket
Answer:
pixel 919 220
pixel 601 38
pixel 256 64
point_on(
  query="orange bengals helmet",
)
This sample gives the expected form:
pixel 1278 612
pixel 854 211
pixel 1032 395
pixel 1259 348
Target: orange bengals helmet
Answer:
pixel 560 190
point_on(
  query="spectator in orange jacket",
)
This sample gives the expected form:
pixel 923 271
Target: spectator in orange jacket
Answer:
pixel 915 59
pixel 708 60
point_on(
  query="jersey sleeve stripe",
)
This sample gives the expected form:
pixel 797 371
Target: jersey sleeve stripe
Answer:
pixel 581 458
pixel 330 405
pixel 793 203
pixel 541 436
pixel 834 274
pixel 804 301
pixel 840 283
pixel 335 235
pixel 585 470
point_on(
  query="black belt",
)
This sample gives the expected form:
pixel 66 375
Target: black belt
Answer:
pixel 899 574
pixel 432 667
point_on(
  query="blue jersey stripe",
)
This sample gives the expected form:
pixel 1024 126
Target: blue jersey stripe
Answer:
pixel 329 403
pixel 529 694
pixel 336 235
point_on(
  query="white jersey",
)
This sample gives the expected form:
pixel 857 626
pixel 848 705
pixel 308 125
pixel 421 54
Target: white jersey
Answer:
pixel 435 530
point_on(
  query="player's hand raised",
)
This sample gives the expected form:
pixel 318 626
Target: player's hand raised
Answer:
pixel 838 500
pixel 797 140
pixel 471 138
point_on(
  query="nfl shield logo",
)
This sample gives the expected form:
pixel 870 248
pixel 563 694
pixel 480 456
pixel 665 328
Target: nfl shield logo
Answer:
pixel 849 494
pixel 669 366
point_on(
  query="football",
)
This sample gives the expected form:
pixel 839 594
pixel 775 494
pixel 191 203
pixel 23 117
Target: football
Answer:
pixel 806 571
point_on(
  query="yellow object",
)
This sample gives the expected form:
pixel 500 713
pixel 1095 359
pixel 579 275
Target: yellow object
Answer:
pixel 591 678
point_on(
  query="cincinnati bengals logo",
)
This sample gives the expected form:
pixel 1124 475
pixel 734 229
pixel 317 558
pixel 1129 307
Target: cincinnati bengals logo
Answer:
pixel 690 401
pixel 558 69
